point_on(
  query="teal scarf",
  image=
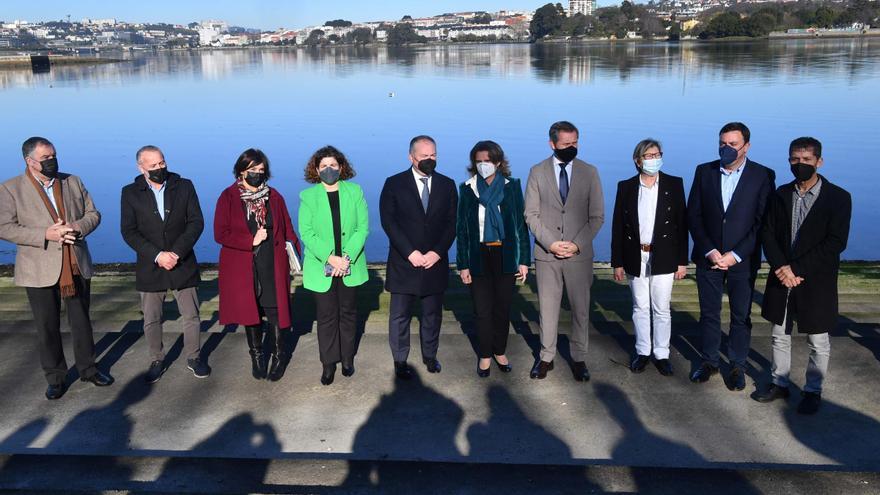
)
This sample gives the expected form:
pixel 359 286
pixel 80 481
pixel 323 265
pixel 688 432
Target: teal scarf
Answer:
pixel 491 196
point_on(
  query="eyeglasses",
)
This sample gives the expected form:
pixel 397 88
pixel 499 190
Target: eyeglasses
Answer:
pixel 652 156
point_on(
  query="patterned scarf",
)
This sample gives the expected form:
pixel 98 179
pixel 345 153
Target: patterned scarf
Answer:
pixel 255 202
pixel 69 268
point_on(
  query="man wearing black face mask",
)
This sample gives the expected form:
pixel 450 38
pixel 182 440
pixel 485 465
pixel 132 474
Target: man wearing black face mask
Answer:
pixel 162 220
pixel 806 230
pixel 47 215
pixel 564 210
pixel 418 208
pixel 725 207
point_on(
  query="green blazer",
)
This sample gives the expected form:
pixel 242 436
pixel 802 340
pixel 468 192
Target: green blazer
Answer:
pixel 515 248
pixel 316 232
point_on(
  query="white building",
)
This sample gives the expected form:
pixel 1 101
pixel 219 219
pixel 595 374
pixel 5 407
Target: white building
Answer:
pixel 481 31
pixel 585 7
pixel 208 36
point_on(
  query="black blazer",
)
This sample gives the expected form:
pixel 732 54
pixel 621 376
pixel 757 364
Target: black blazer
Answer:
pixel 669 248
pixel 410 228
pixel 738 229
pixel 815 257
pixel 145 231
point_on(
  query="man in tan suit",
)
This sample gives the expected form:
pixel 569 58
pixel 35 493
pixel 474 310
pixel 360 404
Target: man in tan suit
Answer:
pixel 564 210
pixel 47 215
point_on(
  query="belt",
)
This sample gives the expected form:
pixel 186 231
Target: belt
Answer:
pixel 646 248
pixel 492 244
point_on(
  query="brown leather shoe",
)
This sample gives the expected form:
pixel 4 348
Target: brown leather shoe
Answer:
pixel 540 369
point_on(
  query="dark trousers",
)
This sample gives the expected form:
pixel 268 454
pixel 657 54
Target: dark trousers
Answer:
pixel 710 286
pixel 337 322
pixel 429 325
pixel 492 292
pixel 46 306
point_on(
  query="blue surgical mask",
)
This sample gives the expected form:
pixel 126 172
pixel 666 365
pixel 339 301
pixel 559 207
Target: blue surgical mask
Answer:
pixel 652 166
pixel 728 155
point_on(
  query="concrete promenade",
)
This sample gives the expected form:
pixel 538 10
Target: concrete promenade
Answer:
pixel 440 433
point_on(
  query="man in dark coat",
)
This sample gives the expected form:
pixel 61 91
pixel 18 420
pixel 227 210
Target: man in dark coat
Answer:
pixel 805 232
pixel 417 208
pixel 726 207
pixel 161 220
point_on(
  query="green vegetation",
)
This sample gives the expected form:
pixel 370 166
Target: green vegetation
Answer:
pixel 403 34
pixel 758 20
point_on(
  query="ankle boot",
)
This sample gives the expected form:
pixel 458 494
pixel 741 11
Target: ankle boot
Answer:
pixel 255 345
pixel 280 358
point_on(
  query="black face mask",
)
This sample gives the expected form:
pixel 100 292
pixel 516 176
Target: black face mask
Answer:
pixel 427 166
pixel 255 179
pixel 802 172
pixel 158 176
pixel 49 167
pixel 565 155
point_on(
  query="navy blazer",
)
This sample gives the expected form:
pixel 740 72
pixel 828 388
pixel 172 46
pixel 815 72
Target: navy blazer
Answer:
pixel 409 228
pixel 737 229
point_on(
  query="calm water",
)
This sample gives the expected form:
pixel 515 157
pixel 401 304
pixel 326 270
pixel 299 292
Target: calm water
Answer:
pixel 205 108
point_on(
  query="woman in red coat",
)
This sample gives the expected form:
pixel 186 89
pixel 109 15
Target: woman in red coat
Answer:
pixel 252 225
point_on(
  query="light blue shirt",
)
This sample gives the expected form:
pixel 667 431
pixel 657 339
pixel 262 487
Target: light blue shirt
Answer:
pixel 729 181
pixel 160 198
pixel 558 168
pixel 47 188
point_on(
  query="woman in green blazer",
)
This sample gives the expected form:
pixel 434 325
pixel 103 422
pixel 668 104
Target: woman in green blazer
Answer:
pixel 493 248
pixel 334 225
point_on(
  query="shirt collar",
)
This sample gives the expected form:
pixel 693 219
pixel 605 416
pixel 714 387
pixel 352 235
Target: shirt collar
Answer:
pixel 738 170
pixel 642 184
pixel 417 176
pixel 813 191
pixel 44 186
pixel 557 162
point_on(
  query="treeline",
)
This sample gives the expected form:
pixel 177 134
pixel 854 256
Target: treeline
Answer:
pixel 551 20
pixel 756 21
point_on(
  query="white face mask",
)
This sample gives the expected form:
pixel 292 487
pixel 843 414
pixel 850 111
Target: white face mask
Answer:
pixel 652 166
pixel 485 169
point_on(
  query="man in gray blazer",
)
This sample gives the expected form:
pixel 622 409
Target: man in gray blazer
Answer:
pixel 564 210
pixel 47 215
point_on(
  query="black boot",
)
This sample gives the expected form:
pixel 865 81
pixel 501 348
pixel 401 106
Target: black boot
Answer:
pixel 255 345
pixel 280 357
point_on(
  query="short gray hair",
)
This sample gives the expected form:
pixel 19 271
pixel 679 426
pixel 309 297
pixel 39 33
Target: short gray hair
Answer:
pixel 643 146
pixel 418 139
pixel 148 147
pixel 30 144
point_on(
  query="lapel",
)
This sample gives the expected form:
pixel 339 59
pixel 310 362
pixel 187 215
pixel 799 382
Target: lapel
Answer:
pixel 168 193
pixel 414 191
pixel 632 202
pixel 344 199
pixel 662 203
pixel 433 196
pixel 550 175
pixel 748 174
pixel 715 184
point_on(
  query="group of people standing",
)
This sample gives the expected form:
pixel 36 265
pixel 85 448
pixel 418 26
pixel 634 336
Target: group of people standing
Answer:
pixel 733 209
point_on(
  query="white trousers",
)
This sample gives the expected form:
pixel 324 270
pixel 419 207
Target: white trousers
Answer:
pixel 651 296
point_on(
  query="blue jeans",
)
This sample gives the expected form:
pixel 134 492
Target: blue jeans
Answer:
pixel 710 286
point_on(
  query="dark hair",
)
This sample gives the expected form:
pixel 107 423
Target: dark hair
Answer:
pixel 248 159
pixel 146 148
pixel 562 126
pixel 496 156
pixel 417 139
pixel 345 169
pixel 31 143
pixel 737 126
pixel 806 143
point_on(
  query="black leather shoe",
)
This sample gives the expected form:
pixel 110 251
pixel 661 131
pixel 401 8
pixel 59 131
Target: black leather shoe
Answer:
pixel 402 370
pixel 432 364
pixel 157 368
pixel 663 366
pixel 772 393
pixel 347 369
pixel 736 380
pixel 639 364
pixel 54 392
pixel 328 374
pixel 580 371
pixel 540 369
pixel 505 368
pixel 703 373
pixel 810 403
pixel 483 373
pixel 99 379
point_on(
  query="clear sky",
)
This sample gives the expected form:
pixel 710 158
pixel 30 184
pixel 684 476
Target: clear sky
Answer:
pixel 265 14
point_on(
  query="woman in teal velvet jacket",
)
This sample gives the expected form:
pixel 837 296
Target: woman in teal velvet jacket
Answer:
pixel 334 225
pixel 493 248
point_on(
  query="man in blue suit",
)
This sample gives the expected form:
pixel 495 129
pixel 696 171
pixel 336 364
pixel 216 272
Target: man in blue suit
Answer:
pixel 726 207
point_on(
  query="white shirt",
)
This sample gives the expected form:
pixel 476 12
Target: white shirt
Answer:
pixel 481 211
pixel 647 210
pixel 419 184
pixel 557 168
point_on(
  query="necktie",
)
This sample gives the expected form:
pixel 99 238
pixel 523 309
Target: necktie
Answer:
pixel 563 182
pixel 425 193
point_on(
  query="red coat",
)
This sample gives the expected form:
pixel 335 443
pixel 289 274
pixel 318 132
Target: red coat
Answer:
pixel 238 303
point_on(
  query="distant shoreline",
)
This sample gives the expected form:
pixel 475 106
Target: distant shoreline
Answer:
pixel 24 61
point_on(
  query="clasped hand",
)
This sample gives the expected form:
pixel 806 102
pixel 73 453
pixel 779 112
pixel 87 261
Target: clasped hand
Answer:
pixel 426 261
pixel 564 249
pixel 339 264
pixel 787 277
